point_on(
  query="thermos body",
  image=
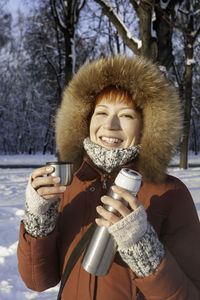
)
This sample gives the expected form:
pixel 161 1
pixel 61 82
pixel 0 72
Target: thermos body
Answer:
pixel 101 250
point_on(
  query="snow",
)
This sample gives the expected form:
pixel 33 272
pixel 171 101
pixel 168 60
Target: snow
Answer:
pixel 12 197
pixel 12 186
pixel 153 32
pixel 26 159
pixel 163 69
pixel 194 33
pixel 190 61
pixel 107 3
pixel 164 4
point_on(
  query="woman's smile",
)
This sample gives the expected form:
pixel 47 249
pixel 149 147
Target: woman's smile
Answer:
pixel 111 141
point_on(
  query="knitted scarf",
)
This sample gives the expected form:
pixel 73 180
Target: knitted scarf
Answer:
pixel 109 159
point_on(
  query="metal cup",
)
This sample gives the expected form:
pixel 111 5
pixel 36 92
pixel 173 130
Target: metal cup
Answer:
pixel 64 170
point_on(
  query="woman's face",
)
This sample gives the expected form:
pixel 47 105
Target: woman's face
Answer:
pixel 115 125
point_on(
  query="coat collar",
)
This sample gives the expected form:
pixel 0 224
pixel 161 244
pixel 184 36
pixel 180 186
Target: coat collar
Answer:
pixel 89 171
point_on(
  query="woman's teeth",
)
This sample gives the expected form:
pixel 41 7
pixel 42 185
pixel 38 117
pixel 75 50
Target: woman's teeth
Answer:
pixel 110 140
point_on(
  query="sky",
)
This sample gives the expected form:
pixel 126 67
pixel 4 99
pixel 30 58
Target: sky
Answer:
pixel 14 5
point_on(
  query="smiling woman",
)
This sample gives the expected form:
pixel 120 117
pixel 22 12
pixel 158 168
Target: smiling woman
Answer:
pixel 117 112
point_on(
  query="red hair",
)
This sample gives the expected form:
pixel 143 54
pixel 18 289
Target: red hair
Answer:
pixel 112 94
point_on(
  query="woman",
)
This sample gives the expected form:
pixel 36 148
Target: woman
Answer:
pixel 115 112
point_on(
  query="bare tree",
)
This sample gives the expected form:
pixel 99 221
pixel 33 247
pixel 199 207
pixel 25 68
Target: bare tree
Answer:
pixel 35 65
pixel 132 42
pixel 190 27
pixel 155 28
pixel 66 15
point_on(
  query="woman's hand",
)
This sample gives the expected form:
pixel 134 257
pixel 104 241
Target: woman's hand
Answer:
pixel 45 185
pixel 109 218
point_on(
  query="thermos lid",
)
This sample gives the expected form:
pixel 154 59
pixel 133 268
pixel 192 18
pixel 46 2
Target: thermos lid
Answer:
pixel 129 180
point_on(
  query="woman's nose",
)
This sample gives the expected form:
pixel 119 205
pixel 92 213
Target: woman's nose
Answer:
pixel 112 123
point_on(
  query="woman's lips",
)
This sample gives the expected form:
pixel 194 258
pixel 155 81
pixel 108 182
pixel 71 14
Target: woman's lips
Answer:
pixel 112 141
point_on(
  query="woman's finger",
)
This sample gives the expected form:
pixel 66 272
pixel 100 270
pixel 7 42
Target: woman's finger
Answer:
pixel 42 171
pixel 46 186
pixel 103 222
pixel 109 218
pixel 50 192
pixel 119 206
pixel 132 200
pixel 42 181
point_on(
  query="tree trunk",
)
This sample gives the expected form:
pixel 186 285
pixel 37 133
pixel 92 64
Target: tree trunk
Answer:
pixel 69 37
pixel 188 98
pixel 195 137
pixel 187 114
pixel 164 29
pixel 145 16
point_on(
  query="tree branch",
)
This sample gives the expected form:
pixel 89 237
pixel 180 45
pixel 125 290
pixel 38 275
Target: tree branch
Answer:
pixel 78 9
pixel 133 43
pixel 196 34
pixel 54 69
pixel 57 16
pixel 64 5
pixel 177 75
pixel 135 5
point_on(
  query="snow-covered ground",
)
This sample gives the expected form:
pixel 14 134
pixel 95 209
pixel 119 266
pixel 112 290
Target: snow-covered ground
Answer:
pixel 12 187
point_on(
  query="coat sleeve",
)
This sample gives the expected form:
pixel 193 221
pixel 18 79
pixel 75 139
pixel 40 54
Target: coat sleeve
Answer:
pixel 178 276
pixel 38 260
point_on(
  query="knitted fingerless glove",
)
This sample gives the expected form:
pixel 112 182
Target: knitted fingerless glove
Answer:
pixel 40 214
pixel 138 243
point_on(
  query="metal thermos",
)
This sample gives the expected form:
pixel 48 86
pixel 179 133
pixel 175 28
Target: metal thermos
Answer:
pixel 64 170
pixel 101 250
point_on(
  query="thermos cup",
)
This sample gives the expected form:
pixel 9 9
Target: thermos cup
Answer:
pixel 101 250
pixel 64 170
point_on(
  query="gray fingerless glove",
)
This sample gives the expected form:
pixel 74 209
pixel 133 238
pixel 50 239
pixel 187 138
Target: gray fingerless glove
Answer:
pixel 138 243
pixel 40 214
pixel 130 229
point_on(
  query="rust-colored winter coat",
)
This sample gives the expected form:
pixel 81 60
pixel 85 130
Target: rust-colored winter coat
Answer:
pixel 167 201
pixel 170 210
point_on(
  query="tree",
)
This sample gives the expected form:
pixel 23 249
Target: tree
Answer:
pixel 189 13
pixel 5 24
pixel 29 86
pixel 157 22
pixel 40 57
pixel 66 15
pixel 154 37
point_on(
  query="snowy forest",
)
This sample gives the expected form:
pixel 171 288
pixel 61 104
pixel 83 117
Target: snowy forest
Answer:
pixel 43 45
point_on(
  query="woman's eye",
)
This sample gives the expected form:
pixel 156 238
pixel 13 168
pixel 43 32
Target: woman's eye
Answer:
pixel 128 116
pixel 100 113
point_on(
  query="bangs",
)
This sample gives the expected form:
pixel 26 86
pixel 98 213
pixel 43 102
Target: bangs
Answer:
pixel 113 95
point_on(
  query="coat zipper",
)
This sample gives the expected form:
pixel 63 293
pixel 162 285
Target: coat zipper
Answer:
pixel 104 183
pixel 95 288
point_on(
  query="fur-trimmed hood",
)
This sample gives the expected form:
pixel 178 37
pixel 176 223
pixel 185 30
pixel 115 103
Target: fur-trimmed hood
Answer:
pixel 158 101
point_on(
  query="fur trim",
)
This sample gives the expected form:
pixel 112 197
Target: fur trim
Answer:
pixel 160 105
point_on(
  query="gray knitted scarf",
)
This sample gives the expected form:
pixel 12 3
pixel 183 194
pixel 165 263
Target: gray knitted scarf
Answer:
pixel 109 159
